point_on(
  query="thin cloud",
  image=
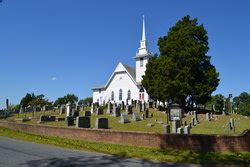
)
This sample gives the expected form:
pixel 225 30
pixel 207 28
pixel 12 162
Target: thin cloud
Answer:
pixel 53 78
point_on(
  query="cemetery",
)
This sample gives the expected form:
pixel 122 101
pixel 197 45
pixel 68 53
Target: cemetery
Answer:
pixel 150 120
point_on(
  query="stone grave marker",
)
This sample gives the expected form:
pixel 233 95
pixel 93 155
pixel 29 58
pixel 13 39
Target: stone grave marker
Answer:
pixel 186 129
pixel 87 113
pixel 83 122
pixel 109 108
pixel 166 129
pixel 68 109
pixel 208 117
pixel 136 117
pixel 101 123
pixel 75 113
pixel 147 113
pixel 124 118
pixel 69 121
pixel 62 110
pixel 180 130
pixel 117 112
pixel 128 109
pixel 99 111
pixel 175 125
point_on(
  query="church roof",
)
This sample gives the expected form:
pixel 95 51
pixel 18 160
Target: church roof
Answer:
pixel 130 70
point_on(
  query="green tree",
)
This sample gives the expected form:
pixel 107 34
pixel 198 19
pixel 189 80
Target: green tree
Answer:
pixel 85 101
pixel 241 104
pixel 39 100
pixel 217 101
pixel 27 99
pixel 183 72
pixel 69 98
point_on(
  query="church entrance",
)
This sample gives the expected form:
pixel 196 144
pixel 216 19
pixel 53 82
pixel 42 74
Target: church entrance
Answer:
pixel 141 94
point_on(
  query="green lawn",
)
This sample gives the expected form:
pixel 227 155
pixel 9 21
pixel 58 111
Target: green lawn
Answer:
pixel 132 151
pixel 217 125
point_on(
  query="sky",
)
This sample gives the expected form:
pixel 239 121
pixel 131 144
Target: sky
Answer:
pixel 69 46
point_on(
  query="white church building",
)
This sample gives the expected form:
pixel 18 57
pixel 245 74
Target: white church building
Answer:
pixel 125 82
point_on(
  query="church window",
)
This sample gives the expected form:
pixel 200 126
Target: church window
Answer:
pixel 141 62
pixel 129 94
pixel 112 95
pixel 120 94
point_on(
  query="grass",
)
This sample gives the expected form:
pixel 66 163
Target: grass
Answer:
pixel 217 125
pixel 132 151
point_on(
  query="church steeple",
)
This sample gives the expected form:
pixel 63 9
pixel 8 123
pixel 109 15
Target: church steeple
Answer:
pixel 142 56
pixel 142 50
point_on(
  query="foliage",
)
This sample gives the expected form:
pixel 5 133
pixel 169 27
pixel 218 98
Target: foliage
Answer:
pixel 182 73
pixel 241 104
pixel 69 98
pixel 32 99
pixel 87 100
pixel 218 101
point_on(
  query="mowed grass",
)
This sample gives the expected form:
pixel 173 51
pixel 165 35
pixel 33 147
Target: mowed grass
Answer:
pixel 218 125
pixel 132 151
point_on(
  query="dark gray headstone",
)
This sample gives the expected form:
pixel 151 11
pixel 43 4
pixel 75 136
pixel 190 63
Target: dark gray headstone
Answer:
pixel 101 123
pixel 136 117
pixel 69 121
pixel 147 113
pixel 124 118
pixel 99 111
pixel 87 113
pixel 117 112
pixel 175 125
pixel 83 122
pixel 129 109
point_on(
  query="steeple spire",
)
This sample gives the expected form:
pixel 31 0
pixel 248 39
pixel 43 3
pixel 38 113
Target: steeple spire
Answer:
pixel 143 29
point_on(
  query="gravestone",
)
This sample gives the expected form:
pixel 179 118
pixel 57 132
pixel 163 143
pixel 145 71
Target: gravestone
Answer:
pixel 208 117
pixel 123 106
pixel 193 121
pixel 87 113
pixel 232 121
pixel 180 130
pixel 143 117
pixel 117 112
pixel 186 129
pixel 196 118
pixel 99 111
pixel 83 122
pixel 75 113
pixel 101 123
pixel 128 109
pixel 109 108
pixel 124 118
pixel 175 125
pixel 166 129
pixel 69 121
pixel 185 123
pixel 230 126
pixel 114 108
pixel 136 117
pixel 68 109
pixel 147 113
pixel 175 112
pixel 143 106
pixel 62 109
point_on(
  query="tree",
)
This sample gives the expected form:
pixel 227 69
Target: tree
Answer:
pixel 85 101
pixel 241 104
pixel 27 99
pixel 183 72
pixel 218 101
pixel 69 98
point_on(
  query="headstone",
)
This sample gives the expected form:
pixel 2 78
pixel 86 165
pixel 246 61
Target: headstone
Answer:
pixel 75 113
pixel 68 109
pixel 175 112
pixel 128 109
pixel 196 118
pixel 109 108
pixel 136 117
pixel 143 117
pixel 117 112
pixel 208 117
pixel 185 123
pixel 186 129
pixel 83 122
pixel 114 108
pixel 175 125
pixel 230 126
pixel 101 123
pixel 99 111
pixel 123 106
pixel 87 113
pixel 92 108
pixel 143 107
pixel 150 124
pixel 147 113
pixel 62 110
pixel 124 118
pixel 69 121
pixel 193 121
pixel 232 122
pixel 166 129
pixel 180 130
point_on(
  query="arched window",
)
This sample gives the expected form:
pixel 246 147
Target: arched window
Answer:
pixel 120 94
pixel 112 95
pixel 129 95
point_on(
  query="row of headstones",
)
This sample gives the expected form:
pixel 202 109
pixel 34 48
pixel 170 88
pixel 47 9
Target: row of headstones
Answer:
pixel 35 108
pixel 177 128
pixel 84 122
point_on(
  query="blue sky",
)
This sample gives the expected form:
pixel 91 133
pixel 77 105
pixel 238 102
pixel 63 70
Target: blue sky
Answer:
pixel 68 46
